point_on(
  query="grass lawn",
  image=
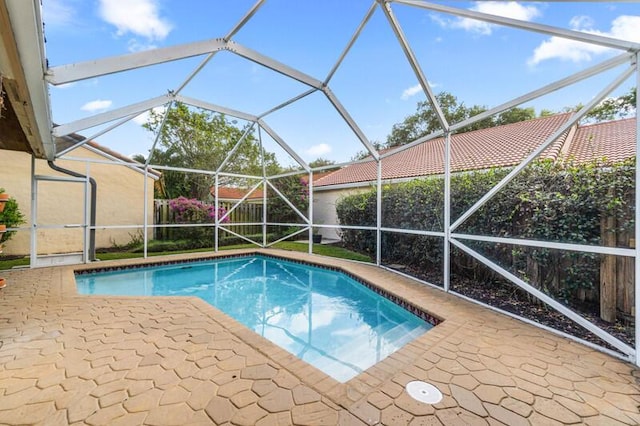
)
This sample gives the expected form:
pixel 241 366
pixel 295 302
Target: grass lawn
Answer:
pixel 320 249
pixel 323 250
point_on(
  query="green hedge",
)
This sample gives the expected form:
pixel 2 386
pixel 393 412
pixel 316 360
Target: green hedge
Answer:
pixel 549 201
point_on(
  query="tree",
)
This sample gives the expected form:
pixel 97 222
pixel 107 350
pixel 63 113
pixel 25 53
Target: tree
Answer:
pixel 201 140
pixel 322 162
pixel 614 108
pixel 364 153
pixel 515 115
pixel 296 189
pixel 425 120
pixel 609 109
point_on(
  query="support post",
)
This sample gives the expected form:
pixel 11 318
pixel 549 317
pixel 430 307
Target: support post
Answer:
pixel 264 191
pixel 145 211
pixel 217 205
pixel 637 218
pixel 379 214
pixel 33 249
pixel 447 213
pixel 310 198
pixel 85 216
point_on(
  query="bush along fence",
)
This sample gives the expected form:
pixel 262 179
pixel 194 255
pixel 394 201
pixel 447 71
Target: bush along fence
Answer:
pixel 183 210
pixel 591 204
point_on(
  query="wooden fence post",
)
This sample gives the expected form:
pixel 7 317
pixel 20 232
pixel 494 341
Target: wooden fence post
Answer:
pixel 608 272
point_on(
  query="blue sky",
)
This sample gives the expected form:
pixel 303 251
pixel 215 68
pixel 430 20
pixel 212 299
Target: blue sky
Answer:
pixel 479 63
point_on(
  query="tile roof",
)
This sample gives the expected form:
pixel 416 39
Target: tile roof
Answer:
pixel 72 139
pixel 613 140
pixel 501 146
pixel 236 193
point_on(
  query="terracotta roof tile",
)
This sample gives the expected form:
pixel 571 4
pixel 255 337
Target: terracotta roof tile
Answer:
pixel 614 141
pixel 235 193
pixel 480 149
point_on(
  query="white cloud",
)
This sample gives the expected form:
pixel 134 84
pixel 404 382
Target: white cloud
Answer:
pixel 623 27
pixel 96 105
pixel 318 150
pixel 414 90
pixel 144 117
pixel 411 91
pixel 138 17
pixel 511 9
pixel 581 22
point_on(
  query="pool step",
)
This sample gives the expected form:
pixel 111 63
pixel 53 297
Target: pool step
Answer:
pixel 403 333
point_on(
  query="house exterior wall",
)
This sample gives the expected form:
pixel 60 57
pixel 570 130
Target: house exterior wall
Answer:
pixel 324 207
pixel 120 201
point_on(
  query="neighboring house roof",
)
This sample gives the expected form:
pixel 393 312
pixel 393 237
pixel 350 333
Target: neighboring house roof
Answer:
pixel 235 193
pixel 612 140
pixel 74 138
pixel 501 146
pixel 316 176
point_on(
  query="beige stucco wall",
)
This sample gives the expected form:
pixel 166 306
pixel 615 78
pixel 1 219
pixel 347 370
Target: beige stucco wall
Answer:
pixel 324 208
pixel 120 201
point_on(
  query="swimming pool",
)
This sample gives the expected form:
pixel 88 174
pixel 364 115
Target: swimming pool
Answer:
pixel 324 317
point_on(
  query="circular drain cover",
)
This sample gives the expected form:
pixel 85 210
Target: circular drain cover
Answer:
pixel 424 392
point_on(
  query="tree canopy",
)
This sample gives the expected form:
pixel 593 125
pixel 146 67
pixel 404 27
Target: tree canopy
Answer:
pixel 614 108
pixel 200 139
pixel 425 120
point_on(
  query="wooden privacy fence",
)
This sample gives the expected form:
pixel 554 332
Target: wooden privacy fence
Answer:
pixel 614 286
pixel 617 274
pixel 244 213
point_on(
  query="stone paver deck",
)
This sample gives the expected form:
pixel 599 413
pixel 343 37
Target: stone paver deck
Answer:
pixel 71 359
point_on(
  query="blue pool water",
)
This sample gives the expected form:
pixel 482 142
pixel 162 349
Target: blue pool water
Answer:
pixel 323 317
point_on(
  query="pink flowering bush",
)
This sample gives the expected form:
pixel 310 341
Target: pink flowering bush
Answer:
pixel 304 190
pixel 192 211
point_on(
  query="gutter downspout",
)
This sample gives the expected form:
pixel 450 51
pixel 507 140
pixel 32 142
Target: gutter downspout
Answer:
pixel 92 218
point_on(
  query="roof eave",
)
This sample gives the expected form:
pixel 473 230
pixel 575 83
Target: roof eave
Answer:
pixel 23 67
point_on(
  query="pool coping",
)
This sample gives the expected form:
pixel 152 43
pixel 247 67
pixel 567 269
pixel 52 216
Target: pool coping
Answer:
pixel 421 313
pixel 71 358
pixel 343 394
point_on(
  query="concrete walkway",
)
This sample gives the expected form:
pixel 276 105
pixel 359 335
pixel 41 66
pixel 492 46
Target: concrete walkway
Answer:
pixel 70 359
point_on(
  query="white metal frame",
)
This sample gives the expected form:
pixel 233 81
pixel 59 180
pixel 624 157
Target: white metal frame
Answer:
pixel 630 55
pixel 35 226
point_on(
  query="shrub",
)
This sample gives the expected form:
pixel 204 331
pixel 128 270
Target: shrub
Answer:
pixel 296 190
pixel 192 211
pixel 11 217
pixel 548 201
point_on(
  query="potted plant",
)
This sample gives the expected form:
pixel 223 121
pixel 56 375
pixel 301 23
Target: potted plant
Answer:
pixel 4 197
pixel 317 236
pixel 10 217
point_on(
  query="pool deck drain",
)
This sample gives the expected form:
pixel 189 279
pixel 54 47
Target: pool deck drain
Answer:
pixel 70 359
pixel 424 392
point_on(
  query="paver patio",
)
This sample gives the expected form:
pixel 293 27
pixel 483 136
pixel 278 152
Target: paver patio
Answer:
pixel 66 358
